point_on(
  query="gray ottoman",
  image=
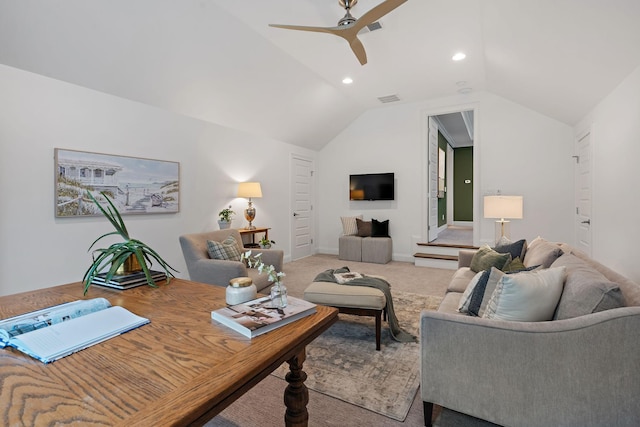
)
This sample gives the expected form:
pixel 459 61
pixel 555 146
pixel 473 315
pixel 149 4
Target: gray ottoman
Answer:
pixel 377 249
pixel 350 248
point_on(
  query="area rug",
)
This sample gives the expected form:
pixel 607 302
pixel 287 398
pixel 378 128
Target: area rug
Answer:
pixel 343 362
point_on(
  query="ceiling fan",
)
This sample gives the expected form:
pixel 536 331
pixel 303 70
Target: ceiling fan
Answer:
pixel 348 27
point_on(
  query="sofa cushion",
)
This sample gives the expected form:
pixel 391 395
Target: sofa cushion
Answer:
pixel 485 258
pixel 379 228
pixel 349 225
pixel 585 290
pixel 460 280
pixel 516 249
pixel 364 228
pixel 226 250
pixel 527 297
pixel 480 279
pixel 541 252
pixel 483 292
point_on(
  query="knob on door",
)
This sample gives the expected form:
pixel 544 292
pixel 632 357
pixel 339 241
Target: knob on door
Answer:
pixel 295 214
pixel 588 222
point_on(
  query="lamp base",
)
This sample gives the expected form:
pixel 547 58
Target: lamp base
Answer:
pixel 503 229
pixel 249 215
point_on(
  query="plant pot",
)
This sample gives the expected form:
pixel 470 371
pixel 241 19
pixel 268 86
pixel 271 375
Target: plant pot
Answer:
pixel 130 265
pixel 267 246
pixel 224 224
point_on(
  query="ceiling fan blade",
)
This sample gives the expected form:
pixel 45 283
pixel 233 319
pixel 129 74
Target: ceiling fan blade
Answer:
pixel 376 13
pixel 358 49
pixel 304 28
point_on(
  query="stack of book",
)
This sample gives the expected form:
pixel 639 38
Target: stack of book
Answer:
pixel 127 281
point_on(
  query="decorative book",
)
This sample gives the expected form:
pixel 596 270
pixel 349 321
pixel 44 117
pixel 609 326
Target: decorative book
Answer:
pixel 258 316
pixel 345 277
pixel 58 331
pixel 127 281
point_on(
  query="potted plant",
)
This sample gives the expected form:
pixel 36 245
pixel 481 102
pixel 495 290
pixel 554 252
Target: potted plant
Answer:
pixel 266 243
pixel 225 218
pixel 278 293
pixel 131 253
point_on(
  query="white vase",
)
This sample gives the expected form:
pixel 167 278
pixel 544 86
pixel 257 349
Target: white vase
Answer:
pixel 224 224
pixel 240 289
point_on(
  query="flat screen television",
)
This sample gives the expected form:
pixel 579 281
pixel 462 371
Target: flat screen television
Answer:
pixel 371 186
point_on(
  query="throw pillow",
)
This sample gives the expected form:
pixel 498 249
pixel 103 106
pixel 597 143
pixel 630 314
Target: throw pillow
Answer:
pixel 364 228
pixel 465 299
pixel 379 228
pixel 515 265
pixel 482 293
pixel 586 290
pixel 516 249
pixel 226 250
pixel 542 252
pixel 349 225
pixel 485 258
pixel 527 297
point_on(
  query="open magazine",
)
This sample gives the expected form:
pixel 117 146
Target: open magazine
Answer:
pixel 258 316
pixel 54 332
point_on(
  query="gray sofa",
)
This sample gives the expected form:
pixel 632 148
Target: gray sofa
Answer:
pixel 218 272
pixel 581 370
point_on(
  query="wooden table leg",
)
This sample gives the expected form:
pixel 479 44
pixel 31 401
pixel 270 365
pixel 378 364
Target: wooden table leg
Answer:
pixel 296 395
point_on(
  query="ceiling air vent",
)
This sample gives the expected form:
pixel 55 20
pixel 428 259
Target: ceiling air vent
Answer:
pixel 388 98
pixel 374 26
pixel 371 27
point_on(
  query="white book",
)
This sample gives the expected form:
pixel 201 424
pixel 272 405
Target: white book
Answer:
pixel 258 316
pixel 56 332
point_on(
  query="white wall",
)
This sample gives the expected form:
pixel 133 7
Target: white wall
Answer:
pixel 519 151
pixel 615 137
pixel 38 114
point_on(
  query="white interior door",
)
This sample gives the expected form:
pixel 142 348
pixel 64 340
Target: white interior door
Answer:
pixel 302 223
pixel 583 193
pixel 433 180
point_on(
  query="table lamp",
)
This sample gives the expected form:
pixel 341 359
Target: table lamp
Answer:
pixel 249 190
pixel 503 207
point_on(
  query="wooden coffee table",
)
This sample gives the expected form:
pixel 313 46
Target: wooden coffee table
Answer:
pixel 181 369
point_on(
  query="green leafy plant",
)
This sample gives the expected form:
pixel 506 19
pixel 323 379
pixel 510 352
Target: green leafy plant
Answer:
pixel 225 214
pixel 266 242
pixel 116 254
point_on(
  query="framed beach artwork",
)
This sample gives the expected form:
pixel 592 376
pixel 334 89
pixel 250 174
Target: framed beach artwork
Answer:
pixel 135 185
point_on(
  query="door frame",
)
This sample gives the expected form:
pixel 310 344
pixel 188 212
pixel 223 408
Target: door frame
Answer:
pixel 425 115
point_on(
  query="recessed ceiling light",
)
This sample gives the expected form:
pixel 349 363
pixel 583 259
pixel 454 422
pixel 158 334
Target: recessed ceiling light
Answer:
pixel 347 80
pixel 459 56
pixel 465 90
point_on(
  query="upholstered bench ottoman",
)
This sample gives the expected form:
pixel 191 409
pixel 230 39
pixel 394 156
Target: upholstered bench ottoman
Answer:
pixel 350 248
pixel 376 249
pixel 358 300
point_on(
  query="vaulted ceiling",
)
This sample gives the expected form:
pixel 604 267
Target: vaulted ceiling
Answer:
pixel 219 61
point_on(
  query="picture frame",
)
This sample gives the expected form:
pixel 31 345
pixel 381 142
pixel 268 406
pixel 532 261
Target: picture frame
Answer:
pixel 135 185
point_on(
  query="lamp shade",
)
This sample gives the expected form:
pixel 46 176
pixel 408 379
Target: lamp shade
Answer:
pixel 249 190
pixel 503 207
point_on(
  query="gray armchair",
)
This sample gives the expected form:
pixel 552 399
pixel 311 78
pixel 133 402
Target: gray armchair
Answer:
pixel 218 272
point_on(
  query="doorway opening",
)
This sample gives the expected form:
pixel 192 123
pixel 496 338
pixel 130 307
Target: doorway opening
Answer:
pixel 450 171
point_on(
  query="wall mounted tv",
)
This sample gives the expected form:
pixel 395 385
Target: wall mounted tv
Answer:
pixel 371 186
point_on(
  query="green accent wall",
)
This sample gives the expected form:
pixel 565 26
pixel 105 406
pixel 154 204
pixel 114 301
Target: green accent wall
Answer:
pixel 463 192
pixel 442 202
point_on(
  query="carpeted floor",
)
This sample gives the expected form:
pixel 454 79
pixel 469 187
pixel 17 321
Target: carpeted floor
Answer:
pixel 263 405
pixel 343 363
